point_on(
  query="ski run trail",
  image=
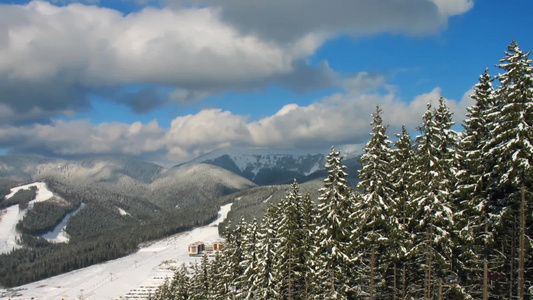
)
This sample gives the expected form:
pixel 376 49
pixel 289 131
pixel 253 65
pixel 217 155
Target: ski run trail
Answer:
pixel 10 216
pixel 132 277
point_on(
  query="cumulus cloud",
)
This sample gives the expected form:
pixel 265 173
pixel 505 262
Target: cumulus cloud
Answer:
pixel 207 130
pixel 341 118
pixel 53 58
pixel 99 46
pixel 83 138
pixel 282 20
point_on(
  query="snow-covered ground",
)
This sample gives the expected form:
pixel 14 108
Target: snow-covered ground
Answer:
pixel 12 215
pixel 127 276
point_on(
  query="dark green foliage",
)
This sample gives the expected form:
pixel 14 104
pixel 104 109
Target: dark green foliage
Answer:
pixel 43 217
pixel 253 203
pixel 20 198
pixel 332 262
pixel 6 184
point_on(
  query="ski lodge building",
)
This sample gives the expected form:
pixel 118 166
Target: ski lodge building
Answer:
pixel 199 248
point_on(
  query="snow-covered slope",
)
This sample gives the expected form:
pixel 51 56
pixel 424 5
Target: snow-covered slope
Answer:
pixel 12 215
pixel 195 183
pixel 148 267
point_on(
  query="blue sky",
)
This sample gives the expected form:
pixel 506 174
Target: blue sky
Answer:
pixel 168 80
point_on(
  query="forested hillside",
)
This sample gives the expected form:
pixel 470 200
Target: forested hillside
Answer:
pixel 445 215
pixel 126 202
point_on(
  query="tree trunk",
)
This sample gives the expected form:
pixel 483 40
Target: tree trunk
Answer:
pixel 512 257
pixel 427 279
pixel 486 264
pixel 404 281
pixel 372 259
pixel 290 278
pixel 522 245
pixel 395 287
pixel 440 289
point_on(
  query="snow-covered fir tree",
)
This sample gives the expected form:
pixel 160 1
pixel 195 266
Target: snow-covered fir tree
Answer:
pixel 472 215
pixel 402 179
pixel 289 251
pixel 511 150
pixel 265 282
pixel 219 288
pixel 377 225
pixel 250 263
pixel 232 258
pixel 200 284
pixel 433 189
pixel 333 257
pixel 308 240
pixel 178 288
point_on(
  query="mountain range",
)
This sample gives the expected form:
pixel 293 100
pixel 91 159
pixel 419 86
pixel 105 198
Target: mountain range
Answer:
pixel 120 194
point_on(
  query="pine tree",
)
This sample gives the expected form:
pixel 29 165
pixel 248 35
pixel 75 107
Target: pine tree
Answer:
pixel 377 224
pixel 511 150
pixel 180 284
pixel 433 188
pixel 200 288
pixel 333 233
pixel 163 292
pixel 249 264
pixel 218 286
pixel 232 258
pixel 473 216
pixel 175 289
pixel 290 252
pixel 402 179
pixel 265 281
pixel 308 242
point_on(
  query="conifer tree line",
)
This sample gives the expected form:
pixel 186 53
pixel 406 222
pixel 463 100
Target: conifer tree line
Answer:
pixel 446 215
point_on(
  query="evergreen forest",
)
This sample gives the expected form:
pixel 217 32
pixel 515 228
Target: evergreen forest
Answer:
pixel 444 215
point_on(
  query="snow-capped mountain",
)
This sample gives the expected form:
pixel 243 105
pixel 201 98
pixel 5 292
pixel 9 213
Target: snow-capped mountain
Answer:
pixel 267 166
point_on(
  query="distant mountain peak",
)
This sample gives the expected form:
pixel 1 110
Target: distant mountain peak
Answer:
pixel 271 166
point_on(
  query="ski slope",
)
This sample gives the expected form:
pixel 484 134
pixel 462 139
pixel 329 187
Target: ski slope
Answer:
pixel 127 277
pixel 10 216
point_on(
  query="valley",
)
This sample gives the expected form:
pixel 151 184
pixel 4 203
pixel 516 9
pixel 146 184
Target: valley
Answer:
pixel 105 207
pixel 124 276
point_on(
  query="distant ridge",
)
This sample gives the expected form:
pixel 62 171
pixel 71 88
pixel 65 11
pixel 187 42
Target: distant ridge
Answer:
pixel 274 166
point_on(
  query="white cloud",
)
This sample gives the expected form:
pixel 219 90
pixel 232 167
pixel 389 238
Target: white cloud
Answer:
pixel 363 82
pixel 65 54
pixel 83 138
pixel 454 7
pixel 285 21
pixel 205 131
pixel 342 118
pixel 100 46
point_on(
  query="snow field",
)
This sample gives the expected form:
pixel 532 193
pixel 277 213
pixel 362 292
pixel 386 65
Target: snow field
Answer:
pixel 129 277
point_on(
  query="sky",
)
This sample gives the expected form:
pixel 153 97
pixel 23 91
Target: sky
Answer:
pixel 169 80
